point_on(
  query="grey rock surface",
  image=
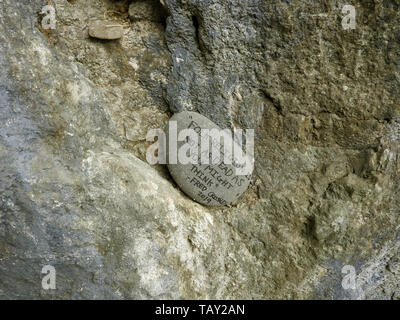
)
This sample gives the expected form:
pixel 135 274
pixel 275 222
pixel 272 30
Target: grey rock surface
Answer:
pixel 76 192
pixel 150 10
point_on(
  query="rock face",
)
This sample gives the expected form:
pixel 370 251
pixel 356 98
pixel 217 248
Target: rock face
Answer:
pixel 77 194
pixel 145 11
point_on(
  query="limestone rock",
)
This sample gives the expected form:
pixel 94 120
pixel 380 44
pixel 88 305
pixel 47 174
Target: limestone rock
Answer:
pixel 149 10
pixel 76 192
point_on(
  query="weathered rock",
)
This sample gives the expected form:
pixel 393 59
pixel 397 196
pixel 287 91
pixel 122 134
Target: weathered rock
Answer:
pixel 213 184
pixel 74 114
pixel 150 10
pixel 106 30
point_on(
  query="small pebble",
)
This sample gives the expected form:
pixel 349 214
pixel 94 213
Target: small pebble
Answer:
pixel 107 30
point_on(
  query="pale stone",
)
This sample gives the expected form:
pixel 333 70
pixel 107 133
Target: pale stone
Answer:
pixel 107 30
pixel 209 184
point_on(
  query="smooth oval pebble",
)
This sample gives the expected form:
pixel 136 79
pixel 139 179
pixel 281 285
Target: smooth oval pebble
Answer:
pixel 106 30
pixel 208 184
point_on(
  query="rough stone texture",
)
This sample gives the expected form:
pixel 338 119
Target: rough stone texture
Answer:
pixel 106 30
pixel 144 10
pixel 76 193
